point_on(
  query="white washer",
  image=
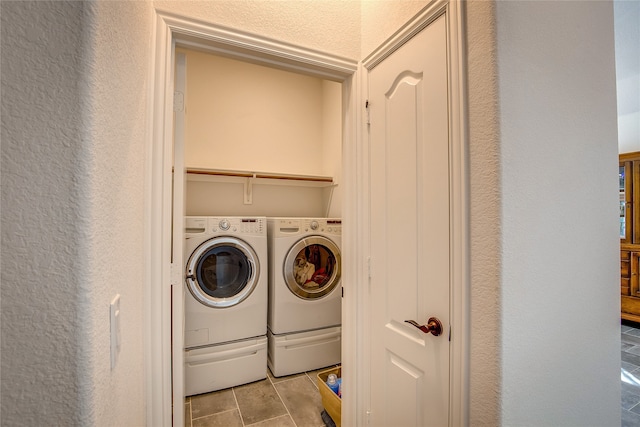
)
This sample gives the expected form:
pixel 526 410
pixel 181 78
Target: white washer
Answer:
pixel 225 302
pixel 305 294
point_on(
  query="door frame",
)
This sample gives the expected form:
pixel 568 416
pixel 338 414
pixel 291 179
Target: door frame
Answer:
pixel 171 30
pixel 458 201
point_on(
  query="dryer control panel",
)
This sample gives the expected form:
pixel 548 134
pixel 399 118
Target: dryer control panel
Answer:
pixel 322 225
pixel 304 226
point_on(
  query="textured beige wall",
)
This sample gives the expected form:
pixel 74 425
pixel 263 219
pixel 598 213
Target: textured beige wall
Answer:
pixel 113 172
pixel 331 26
pixel 74 117
pixel 42 260
pixel 534 228
pixel 484 189
pixel 381 19
pixel 559 224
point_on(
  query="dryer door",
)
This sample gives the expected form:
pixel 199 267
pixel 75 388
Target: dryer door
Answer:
pixel 312 267
pixel 222 272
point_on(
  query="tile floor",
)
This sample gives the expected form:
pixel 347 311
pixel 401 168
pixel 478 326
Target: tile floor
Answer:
pixel 292 401
pixel 630 374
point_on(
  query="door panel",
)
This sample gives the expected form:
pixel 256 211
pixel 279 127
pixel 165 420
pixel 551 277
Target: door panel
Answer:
pixel 410 236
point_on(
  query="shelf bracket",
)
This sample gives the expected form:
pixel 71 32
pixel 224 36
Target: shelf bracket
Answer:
pixel 248 191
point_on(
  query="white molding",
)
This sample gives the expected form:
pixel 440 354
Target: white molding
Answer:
pixel 427 15
pixel 157 271
pixel 193 33
pixel 460 285
pixel 178 200
pixel 353 281
pixel 459 207
pixel 170 30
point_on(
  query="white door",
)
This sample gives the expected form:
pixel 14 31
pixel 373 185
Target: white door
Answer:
pixel 410 231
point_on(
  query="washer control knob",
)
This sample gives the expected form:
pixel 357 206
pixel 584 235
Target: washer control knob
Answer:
pixel 314 225
pixel 224 224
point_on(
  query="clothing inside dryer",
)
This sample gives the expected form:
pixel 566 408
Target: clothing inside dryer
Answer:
pixel 223 271
pixel 313 267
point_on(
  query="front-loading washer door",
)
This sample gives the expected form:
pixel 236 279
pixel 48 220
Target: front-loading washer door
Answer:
pixel 312 267
pixel 222 272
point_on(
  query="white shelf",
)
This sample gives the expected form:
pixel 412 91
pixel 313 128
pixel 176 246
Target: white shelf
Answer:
pixel 220 175
pixel 249 179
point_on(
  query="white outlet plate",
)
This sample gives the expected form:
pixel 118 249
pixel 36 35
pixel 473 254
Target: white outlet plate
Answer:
pixel 114 309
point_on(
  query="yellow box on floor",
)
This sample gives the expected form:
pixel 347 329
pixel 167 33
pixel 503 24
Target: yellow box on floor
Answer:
pixel 331 402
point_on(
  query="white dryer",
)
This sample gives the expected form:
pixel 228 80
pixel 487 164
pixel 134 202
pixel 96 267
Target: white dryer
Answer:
pixel 305 294
pixel 225 302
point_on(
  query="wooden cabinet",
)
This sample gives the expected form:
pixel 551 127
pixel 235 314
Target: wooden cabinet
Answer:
pixel 625 273
pixel 629 173
pixel 629 287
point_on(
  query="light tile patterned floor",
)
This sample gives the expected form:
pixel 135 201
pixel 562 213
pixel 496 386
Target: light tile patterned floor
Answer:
pixel 630 374
pixel 292 401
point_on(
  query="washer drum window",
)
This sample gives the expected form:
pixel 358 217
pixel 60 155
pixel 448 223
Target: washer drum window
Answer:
pixel 312 267
pixel 222 272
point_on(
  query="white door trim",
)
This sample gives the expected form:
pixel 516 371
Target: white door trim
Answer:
pixel 171 30
pixel 459 267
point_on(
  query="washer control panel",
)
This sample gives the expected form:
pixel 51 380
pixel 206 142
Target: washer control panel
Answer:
pixel 227 225
pixel 248 225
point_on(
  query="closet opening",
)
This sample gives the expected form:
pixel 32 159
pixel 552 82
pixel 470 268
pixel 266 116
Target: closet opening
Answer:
pixel 178 188
pixel 170 195
pixel 262 150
